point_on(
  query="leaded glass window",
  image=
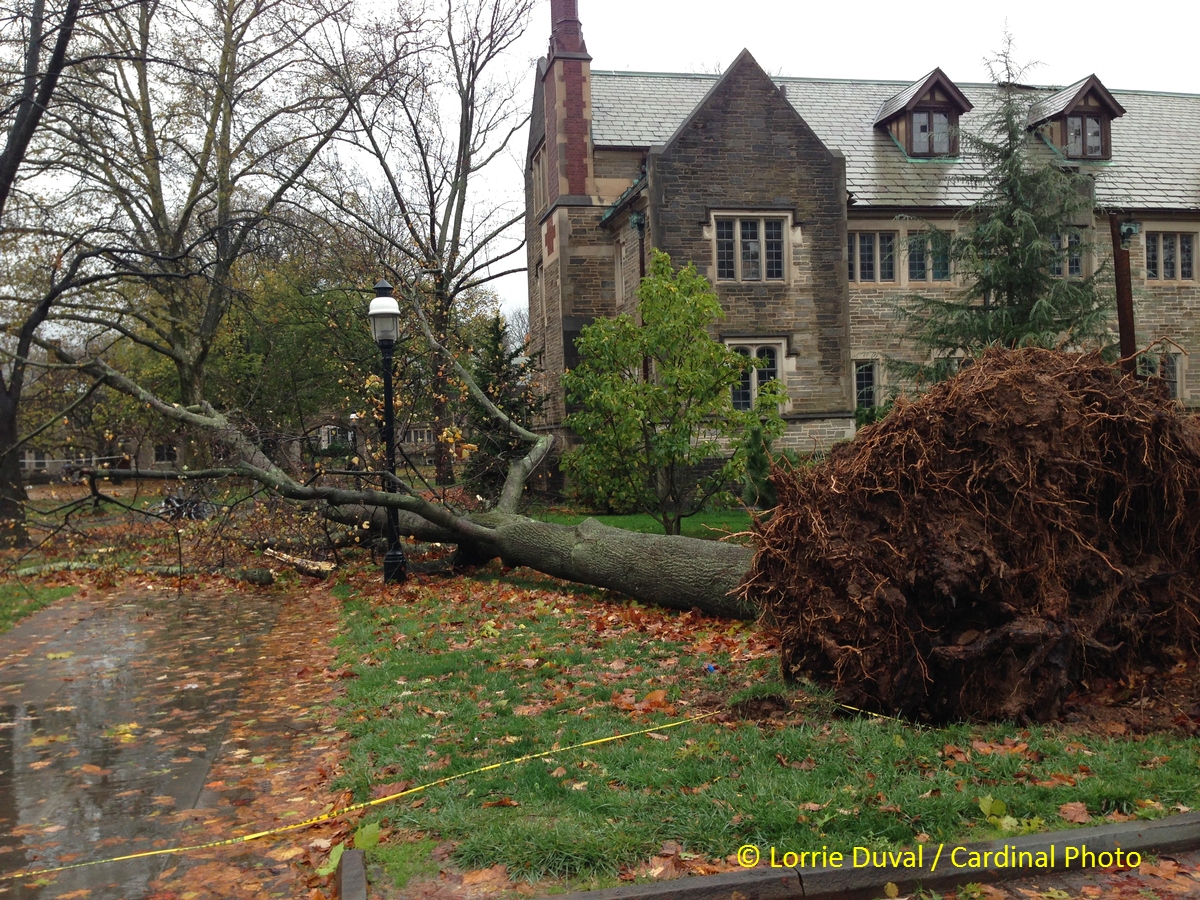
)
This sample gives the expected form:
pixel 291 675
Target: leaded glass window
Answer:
pixel 1095 138
pixel 770 364
pixel 1074 136
pixel 887 256
pixel 1074 256
pixel 917 268
pixel 726 265
pixel 866 257
pixel 742 392
pixel 751 251
pixel 864 384
pixel 773 242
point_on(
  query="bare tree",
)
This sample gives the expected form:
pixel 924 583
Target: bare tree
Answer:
pixel 431 130
pixel 431 133
pixel 196 131
pixel 35 52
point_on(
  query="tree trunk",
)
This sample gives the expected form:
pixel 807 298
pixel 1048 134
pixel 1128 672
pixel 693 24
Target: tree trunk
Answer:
pixel 443 457
pixel 12 492
pixel 672 571
pixel 676 572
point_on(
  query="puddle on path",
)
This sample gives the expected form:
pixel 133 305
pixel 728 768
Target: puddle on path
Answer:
pixel 109 723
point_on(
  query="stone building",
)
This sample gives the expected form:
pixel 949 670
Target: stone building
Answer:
pixel 808 204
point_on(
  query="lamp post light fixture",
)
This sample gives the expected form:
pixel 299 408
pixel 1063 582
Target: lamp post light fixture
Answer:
pixel 385 328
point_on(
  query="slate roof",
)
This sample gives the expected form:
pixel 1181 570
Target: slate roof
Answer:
pixel 897 102
pixel 1060 101
pixel 1156 144
pixel 1051 106
pixel 901 100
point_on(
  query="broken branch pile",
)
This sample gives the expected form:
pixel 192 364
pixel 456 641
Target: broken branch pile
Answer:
pixel 980 550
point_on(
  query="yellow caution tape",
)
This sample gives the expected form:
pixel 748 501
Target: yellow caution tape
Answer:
pixel 357 806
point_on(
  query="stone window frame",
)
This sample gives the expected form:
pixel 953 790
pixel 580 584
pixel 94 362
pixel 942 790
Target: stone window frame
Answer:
pixel 925 238
pixel 1169 366
pixel 861 367
pixel 750 381
pixel 1155 239
pixel 1065 263
pixel 854 259
pixel 789 237
pixel 539 179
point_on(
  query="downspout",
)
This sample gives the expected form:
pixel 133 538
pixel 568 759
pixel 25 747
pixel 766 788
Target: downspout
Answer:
pixel 638 221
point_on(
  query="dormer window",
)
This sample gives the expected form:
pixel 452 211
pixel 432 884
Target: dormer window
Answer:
pixel 1085 137
pixel 1077 120
pixel 923 118
pixel 932 133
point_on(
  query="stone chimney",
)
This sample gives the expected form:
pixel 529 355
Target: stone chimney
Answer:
pixel 568 95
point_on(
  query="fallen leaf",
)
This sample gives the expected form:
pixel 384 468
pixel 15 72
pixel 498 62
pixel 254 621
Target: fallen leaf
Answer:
pixel 503 801
pixel 1075 812
pixel 654 735
pixel 496 875
pixel 389 790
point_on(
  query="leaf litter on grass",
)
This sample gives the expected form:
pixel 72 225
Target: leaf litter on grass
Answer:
pixel 778 764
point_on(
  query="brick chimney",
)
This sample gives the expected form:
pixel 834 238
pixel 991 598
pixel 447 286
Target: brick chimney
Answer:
pixel 566 34
pixel 568 94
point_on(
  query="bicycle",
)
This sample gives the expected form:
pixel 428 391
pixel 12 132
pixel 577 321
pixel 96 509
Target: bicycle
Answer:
pixel 176 507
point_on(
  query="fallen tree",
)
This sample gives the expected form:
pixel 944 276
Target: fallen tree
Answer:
pixel 979 551
pixel 971 557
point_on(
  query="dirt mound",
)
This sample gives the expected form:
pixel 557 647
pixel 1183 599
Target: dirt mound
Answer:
pixel 981 549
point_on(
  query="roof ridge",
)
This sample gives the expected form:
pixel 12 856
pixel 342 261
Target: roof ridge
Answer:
pixel 707 76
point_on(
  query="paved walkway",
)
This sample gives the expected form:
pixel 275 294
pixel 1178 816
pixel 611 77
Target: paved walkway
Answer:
pixel 114 711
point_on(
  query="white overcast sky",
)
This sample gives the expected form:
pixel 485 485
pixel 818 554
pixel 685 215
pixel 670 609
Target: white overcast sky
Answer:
pixel 1145 46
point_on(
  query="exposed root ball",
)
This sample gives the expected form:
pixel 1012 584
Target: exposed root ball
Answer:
pixel 981 549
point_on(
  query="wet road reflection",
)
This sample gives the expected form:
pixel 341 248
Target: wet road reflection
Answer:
pixel 111 713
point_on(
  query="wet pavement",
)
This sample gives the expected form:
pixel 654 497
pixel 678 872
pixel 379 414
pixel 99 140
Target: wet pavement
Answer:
pixel 112 711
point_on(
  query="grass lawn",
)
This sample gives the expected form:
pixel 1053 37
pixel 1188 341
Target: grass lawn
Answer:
pixel 712 524
pixel 18 601
pixel 457 674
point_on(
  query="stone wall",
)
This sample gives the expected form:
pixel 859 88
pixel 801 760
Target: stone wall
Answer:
pixel 746 150
pixel 815 435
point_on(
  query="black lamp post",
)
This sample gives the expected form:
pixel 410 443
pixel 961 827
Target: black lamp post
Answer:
pixel 385 328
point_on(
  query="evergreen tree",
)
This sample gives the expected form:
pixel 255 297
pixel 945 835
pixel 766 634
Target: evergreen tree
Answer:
pixel 1016 245
pixel 507 375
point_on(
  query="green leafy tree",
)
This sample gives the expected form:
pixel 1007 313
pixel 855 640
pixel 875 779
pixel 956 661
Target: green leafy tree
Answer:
pixel 1015 245
pixel 506 374
pixel 647 443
